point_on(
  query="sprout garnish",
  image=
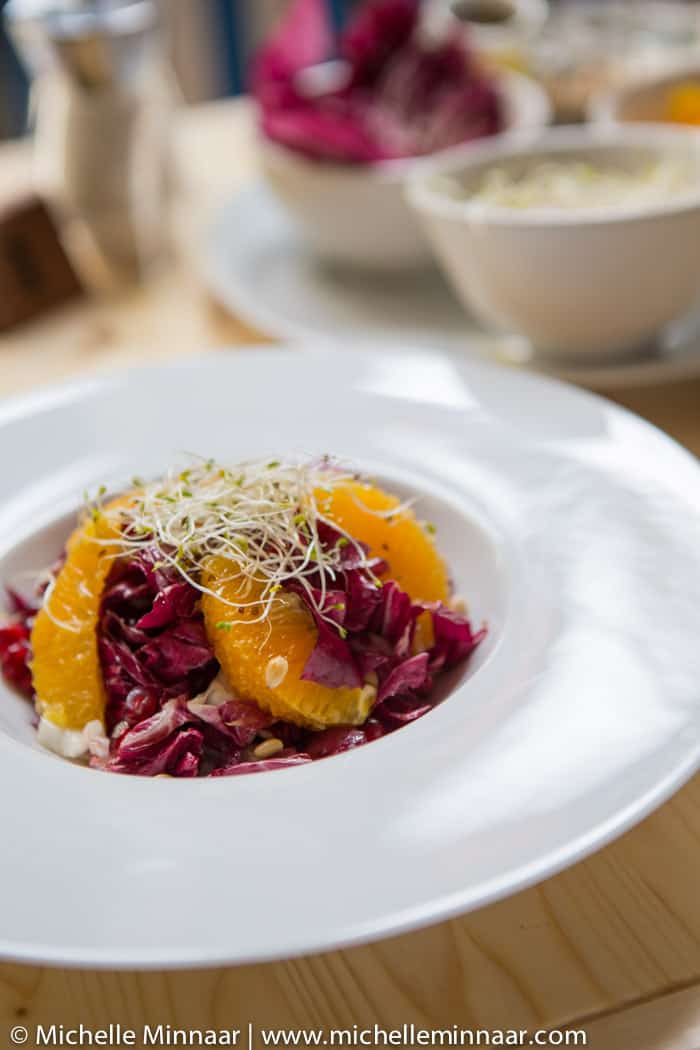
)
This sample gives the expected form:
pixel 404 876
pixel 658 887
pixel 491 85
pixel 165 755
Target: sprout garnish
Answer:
pixel 261 517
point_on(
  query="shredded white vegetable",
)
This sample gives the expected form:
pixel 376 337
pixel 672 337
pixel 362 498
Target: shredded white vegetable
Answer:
pixel 571 184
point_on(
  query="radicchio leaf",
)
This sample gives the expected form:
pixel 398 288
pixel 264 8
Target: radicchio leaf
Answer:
pixel 15 656
pixel 280 761
pixel 151 635
pixel 174 602
pixel 155 745
pixel 399 710
pixel 236 719
pixel 333 741
pixel 393 94
pixel 331 662
pixel 406 677
pixel 454 639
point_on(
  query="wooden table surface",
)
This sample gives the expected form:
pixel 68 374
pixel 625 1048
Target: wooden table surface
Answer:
pixel 612 944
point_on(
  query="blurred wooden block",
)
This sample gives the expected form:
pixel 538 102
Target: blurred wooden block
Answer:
pixel 35 273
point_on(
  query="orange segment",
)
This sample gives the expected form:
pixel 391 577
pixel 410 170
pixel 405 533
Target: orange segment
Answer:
pixel 246 649
pixel 410 552
pixel 65 663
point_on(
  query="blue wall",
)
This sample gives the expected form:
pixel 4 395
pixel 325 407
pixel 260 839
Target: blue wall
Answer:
pixel 13 90
pixel 231 18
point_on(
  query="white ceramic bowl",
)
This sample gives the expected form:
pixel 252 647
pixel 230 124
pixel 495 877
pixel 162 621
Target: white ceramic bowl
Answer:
pixel 643 100
pixel 575 283
pixel 587 47
pixel 357 214
pixel 504 39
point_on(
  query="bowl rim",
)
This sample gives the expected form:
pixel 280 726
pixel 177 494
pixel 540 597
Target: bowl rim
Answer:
pixel 428 201
pixel 512 84
pixel 528 16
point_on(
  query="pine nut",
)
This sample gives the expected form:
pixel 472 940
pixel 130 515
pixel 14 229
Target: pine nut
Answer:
pixel 368 695
pixel 268 748
pixel 276 671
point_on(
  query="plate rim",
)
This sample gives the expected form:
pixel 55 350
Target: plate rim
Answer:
pixel 409 920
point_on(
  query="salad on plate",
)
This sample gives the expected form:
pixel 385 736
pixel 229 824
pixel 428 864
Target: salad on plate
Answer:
pixel 385 89
pixel 231 619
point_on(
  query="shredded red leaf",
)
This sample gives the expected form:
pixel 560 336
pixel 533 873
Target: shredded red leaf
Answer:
pixel 15 648
pixel 162 717
pixel 393 94
pixel 151 637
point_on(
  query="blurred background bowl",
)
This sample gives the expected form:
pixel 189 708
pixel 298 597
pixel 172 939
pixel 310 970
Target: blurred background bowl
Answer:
pixel 578 282
pixel 673 97
pixel 500 30
pixel 588 47
pixel 357 214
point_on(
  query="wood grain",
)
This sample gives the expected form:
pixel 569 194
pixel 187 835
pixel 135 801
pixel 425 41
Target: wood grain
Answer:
pixel 671 1022
pixel 612 940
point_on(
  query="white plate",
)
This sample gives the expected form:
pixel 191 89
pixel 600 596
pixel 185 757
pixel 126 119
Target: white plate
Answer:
pixel 571 527
pixel 255 263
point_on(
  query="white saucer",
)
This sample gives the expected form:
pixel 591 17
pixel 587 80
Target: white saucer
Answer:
pixel 255 263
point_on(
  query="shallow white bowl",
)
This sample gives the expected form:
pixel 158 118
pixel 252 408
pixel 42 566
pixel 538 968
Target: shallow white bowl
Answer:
pixel 357 214
pixel 590 282
pixel 558 514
